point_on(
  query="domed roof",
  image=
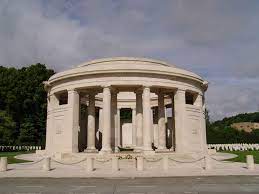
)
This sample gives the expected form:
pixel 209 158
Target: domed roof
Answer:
pixel 125 65
pixel 125 59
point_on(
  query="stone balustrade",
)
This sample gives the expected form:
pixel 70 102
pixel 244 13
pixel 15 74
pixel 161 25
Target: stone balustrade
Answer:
pixel 141 163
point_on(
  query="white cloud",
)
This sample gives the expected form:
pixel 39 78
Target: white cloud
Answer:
pixel 217 39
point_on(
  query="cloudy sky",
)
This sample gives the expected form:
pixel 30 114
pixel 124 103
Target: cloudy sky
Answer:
pixel 219 40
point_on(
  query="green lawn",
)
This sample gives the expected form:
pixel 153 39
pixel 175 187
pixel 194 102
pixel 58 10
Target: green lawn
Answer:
pixel 10 157
pixel 241 156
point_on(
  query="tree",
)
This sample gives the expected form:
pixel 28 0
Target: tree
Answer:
pixel 23 97
pixel 7 126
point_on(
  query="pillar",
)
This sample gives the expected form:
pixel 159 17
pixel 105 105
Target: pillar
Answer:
pixel 172 135
pixel 106 138
pixel 139 120
pixel 147 147
pixel 100 120
pixel 114 120
pixel 118 132
pixel 72 121
pixel 134 134
pixel 100 130
pixel 53 102
pixel 91 124
pixel 161 122
pixel 179 107
pixel 199 102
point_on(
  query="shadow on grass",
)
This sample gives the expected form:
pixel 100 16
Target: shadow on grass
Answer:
pixel 241 156
pixel 11 156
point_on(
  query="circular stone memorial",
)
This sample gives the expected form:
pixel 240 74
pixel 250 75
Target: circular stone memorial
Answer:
pixel 115 104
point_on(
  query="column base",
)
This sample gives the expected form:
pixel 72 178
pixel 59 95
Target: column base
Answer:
pixel 137 149
pixel 148 152
pixel 116 150
pixel 162 150
pixel 105 151
pixel 91 150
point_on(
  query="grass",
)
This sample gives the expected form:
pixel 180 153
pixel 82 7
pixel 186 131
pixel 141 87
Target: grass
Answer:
pixel 241 156
pixel 11 157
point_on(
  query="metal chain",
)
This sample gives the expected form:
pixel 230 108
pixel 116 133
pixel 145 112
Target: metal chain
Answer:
pixel 186 161
pixel 30 163
pixel 96 159
pixel 153 159
pixel 219 160
pixel 59 162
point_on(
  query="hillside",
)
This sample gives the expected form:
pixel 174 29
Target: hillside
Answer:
pixel 221 132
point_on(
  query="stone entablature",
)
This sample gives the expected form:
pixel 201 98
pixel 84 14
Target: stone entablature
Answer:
pixel 144 86
pixel 246 126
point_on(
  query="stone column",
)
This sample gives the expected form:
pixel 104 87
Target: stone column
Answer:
pixel 50 131
pixel 72 121
pixel 49 123
pixel 134 134
pixel 100 130
pixel 199 102
pixel 147 147
pixel 139 121
pixel 161 123
pixel 114 120
pixel 179 107
pixel 91 124
pixel 100 120
pixel 118 132
pixel 172 135
pixel 106 137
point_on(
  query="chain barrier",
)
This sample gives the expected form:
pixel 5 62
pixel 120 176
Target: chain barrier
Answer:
pixel 103 161
pixel 153 159
pixel 30 163
pixel 64 163
pixel 186 161
pixel 219 160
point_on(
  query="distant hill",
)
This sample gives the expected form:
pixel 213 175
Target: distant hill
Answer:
pixel 222 132
pixel 245 117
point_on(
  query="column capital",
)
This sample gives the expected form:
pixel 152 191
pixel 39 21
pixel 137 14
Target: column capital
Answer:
pixel 106 86
pixel 72 90
pixel 180 90
pixel 146 86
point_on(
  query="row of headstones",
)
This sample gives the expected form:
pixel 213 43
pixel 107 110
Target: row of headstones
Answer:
pixel 234 147
pixel 19 148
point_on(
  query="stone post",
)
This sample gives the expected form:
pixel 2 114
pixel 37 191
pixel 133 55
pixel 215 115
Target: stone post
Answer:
pixel 139 120
pixel 147 147
pixel 106 140
pixel 115 164
pixel 165 162
pixel 91 125
pixel 250 162
pixel 161 122
pixel 89 164
pixel 179 106
pixel 46 164
pixel 207 163
pixel 140 163
pixel 3 164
